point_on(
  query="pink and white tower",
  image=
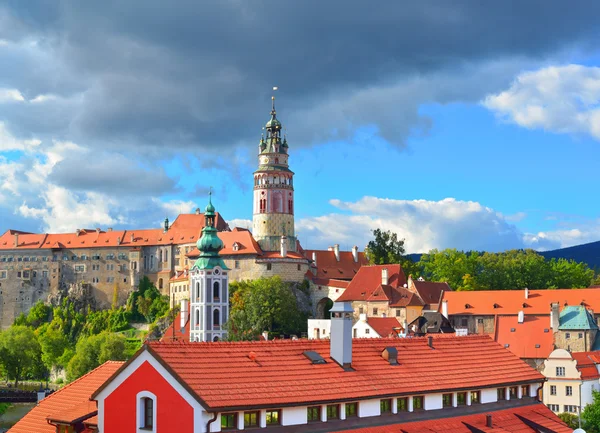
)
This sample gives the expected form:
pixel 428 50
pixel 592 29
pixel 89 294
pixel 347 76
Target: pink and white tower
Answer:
pixel 273 216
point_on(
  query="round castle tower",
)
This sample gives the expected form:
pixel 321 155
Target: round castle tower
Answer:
pixel 273 215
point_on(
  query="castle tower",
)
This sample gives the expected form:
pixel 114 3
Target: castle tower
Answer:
pixel 209 285
pixel 273 215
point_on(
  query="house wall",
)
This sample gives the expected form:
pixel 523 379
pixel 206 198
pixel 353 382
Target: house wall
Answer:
pixel 363 330
pixel 173 413
pixel 323 326
pixel 474 324
pixel 571 340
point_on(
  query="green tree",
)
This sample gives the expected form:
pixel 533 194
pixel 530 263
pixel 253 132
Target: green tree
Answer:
pixel 53 344
pixel 39 313
pixel 569 273
pixel 92 351
pixel 591 414
pixel 569 419
pixel 266 304
pixel 451 266
pixel 19 351
pixel 386 248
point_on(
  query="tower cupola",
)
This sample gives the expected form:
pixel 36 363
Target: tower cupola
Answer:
pixel 209 243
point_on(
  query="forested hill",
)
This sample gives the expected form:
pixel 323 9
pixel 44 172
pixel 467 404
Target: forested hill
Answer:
pixel 588 253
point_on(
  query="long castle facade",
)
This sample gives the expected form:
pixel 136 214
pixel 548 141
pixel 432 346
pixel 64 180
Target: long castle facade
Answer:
pixel 109 263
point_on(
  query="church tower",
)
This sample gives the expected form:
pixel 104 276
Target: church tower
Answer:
pixel 273 216
pixel 209 285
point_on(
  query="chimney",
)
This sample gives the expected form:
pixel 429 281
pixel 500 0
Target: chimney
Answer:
pixel 97 229
pixel 78 232
pixel 363 317
pixel 340 345
pixel 197 211
pixel 132 237
pixel 109 229
pixel 554 316
pixel 521 317
pixel 488 420
pixel 336 251
pixel 184 313
pixel 355 253
pixel 430 341
pixel 384 277
pixel 284 246
pixel 329 248
pixel 445 308
pixel 390 354
pixel 314 257
pixel 119 240
pixel 16 239
pixel 526 293
pixel 265 335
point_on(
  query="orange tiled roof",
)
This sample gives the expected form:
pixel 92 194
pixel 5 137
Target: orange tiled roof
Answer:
pixel 368 279
pixel 186 229
pixel 512 301
pixel 587 364
pixel 329 267
pixel 431 292
pixel 385 326
pixel 236 242
pixel 265 373
pixel 503 421
pixel 523 341
pixel 180 276
pixel 174 332
pixel 69 401
pixel 329 282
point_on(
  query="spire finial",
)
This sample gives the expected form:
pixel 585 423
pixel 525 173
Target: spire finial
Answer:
pixel 275 88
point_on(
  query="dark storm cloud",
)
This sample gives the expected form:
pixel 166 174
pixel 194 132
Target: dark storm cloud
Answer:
pixel 160 76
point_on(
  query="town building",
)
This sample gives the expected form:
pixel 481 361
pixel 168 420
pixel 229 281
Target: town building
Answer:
pixel 377 327
pixel 69 409
pixel 571 378
pixel 313 385
pixel 430 322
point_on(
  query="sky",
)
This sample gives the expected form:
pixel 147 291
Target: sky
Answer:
pixel 464 124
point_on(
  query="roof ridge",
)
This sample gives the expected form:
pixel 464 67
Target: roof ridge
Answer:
pixel 86 375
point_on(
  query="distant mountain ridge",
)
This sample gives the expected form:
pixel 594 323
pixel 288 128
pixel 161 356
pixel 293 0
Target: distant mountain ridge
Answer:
pixel 587 253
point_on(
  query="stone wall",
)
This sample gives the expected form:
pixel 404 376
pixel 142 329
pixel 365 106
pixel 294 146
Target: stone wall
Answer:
pixel 575 341
pixel 474 324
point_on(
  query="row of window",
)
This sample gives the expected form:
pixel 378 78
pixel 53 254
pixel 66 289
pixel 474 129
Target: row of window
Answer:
pixel 566 408
pixel 375 311
pixel 568 389
pixel 108 280
pixel 568 335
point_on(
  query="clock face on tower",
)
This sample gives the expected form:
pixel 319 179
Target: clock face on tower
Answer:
pixel 264 160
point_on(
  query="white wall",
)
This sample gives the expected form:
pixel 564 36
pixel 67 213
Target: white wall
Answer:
pixel 489 395
pixel 433 401
pixel 323 325
pixel 369 408
pixel 359 330
pixel 294 416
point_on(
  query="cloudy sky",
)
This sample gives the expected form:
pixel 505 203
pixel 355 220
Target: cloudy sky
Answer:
pixel 465 124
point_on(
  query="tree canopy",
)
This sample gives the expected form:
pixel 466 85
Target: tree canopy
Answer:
pixel 591 414
pixel 19 351
pixel 266 304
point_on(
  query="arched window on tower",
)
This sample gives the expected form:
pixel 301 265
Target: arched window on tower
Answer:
pixel 216 291
pixel 277 202
pixel 197 291
pixel 160 256
pixel 197 317
pixel 166 255
pixel 216 318
pixel 290 206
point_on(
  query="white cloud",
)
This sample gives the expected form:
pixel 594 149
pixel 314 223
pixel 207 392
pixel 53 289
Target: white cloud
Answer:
pixel 9 142
pixel 40 99
pixel 238 222
pixel 174 207
pixel 10 95
pixel 562 99
pixel 425 225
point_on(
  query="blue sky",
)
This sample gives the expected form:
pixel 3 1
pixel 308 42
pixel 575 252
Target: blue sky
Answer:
pixel 455 126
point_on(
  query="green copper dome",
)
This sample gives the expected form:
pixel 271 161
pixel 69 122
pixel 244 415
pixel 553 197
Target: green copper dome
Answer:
pixel 273 123
pixel 209 243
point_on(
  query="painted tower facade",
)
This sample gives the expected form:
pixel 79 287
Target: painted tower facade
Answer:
pixel 209 285
pixel 273 215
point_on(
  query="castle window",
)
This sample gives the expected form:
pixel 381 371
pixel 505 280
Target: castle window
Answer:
pixel 236 264
pixel 216 296
pixel 216 318
pixel 333 411
pixel 418 403
pixel 351 410
pixel 197 317
pixel 269 266
pixel 313 413
pixel 197 290
pixel 385 405
pixel 160 283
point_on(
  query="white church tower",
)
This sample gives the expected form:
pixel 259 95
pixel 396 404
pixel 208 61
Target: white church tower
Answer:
pixel 209 297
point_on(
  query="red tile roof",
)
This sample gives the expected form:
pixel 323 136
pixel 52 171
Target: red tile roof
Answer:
pixel 174 332
pixel 329 267
pixel 70 401
pixel 267 373
pixel 341 284
pixel 431 292
pixel 512 301
pixel 503 421
pixel 526 336
pixel 368 279
pixel 185 229
pixel 385 326
pixel 180 276
pixel 587 363
pixel 244 240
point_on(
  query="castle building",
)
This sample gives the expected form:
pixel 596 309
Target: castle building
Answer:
pixel 209 288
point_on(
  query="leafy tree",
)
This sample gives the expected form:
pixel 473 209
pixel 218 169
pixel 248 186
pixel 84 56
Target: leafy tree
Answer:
pixel 92 351
pixel 569 419
pixel 147 303
pixel 266 304
pixel 451 266
pixel 53 344
pixel 591 414
pixel 19 351
pixel 39 313
pixel 569 273
pixel 115 299
pixel 386 248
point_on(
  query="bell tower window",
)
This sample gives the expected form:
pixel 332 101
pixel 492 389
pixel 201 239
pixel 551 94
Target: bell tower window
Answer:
pixel 216 318
pixel 216 291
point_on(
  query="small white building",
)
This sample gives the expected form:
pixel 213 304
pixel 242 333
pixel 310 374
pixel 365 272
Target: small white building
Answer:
pixel 570 376
pixel 319 328
pixel 365 327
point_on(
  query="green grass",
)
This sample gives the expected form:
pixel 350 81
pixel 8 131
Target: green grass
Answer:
pixel 4 407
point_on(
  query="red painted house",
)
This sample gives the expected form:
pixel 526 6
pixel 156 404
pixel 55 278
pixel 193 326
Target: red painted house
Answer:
pixel 312 385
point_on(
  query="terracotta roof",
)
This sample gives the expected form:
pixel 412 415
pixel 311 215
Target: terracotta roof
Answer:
pixel 587 363
pixel 180 276
pixel 265 373
pixel 431 292
pixel 525 419
pixel 70 401
pixel 341 284
pixel 329 267
pixel 277 255
pixel 77 413
pixel 512 301
pixel 185 229
pixel 524 338
pixel 175 330
pixel 236 242
pixel 385 326
pixel 368 279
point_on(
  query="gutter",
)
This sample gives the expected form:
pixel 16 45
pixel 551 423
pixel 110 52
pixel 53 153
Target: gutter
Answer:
pixel 214 418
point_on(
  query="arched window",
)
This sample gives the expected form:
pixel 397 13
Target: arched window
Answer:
pixel 160 256
pixel 146 412
pixel 160 283
pixel 197 317
pixel 151 262
pixel 166 255
pixel 216 291
pixel 216 318
pixel 198 291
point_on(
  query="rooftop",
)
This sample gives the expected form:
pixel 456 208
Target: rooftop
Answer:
pixel 368 280
pixel 492 302
pixel 266 373
pixel 531 339
pixel 69 404
pixel 329 267
pixel 385 326
pixel 576 317
pixel 429 291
